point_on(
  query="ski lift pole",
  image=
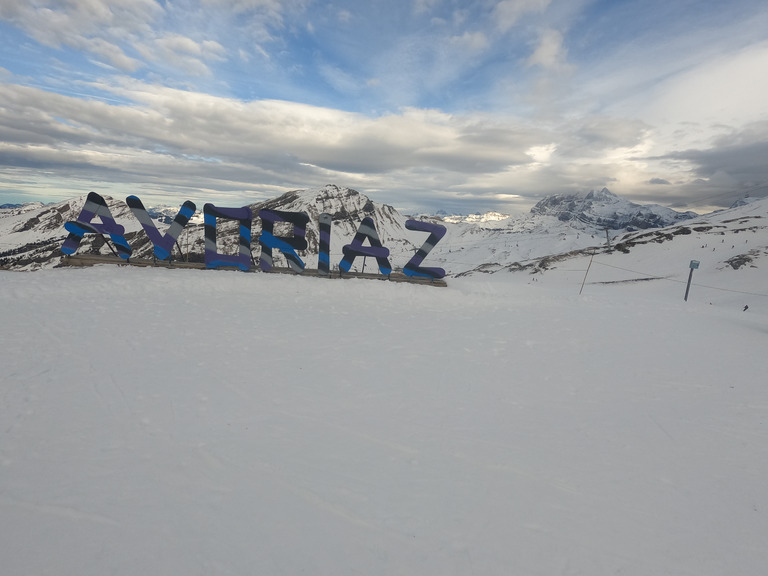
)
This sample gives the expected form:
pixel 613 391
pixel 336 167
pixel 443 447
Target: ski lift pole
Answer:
pixel 587 272
pixel 693 265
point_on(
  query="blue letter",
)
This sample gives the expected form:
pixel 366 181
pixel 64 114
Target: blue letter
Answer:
pixel 436 232
pixel 286 244
pixel 324 245
pixel 213 259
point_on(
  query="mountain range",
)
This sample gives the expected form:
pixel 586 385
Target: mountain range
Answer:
pixel 557 228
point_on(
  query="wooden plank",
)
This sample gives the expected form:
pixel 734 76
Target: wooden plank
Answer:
pixel 92 259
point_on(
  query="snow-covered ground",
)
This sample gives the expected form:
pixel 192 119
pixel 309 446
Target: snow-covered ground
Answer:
pixel 158 421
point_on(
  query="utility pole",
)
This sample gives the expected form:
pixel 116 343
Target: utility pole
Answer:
pixel 693 265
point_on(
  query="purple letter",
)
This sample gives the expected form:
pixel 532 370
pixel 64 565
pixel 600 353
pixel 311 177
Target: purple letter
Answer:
pixel 351 251
pixel 163 243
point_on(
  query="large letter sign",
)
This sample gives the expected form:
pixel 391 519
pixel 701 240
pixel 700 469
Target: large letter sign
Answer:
pixel 214 259
pixel 286 244
pixel 163 244
pixel 95 206
pixel 351 251
pixel 436 232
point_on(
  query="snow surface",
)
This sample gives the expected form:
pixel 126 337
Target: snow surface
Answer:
pixel 157 421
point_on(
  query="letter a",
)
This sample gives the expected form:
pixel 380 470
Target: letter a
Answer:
pixel 95 206
pixel 351 251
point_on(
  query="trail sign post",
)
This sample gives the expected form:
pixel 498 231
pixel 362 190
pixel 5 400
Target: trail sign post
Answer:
pixel 693 265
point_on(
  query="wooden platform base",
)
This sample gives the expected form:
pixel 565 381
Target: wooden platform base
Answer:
pixel 91 259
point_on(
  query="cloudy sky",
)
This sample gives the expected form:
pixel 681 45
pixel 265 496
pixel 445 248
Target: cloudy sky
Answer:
pixel 422 104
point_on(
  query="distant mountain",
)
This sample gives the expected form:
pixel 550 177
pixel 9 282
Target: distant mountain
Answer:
pixel 606 210
pixel 732 239
pixel 21 207
pixel 475 218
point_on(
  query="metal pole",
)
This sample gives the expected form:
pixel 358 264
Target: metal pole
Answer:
pixel 688 286
pixel 693 265
pixel 587 272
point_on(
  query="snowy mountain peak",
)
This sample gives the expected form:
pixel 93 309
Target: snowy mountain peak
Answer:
pixel 604 196
pixel 606 210
pixel 338 201
pixel 347 208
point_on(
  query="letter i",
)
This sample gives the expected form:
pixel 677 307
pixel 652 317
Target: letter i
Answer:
pixel 324 245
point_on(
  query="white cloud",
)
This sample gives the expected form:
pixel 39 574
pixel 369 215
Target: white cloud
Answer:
pixel 729 89
pixel 273 145
pixel 263 143
pixel 549 53
pixel 541 154
pixel 183 53
pixel 75 24
pixel 261 17
pixel 340 80
pixel 507 13
pixel 111 53
pixel 475 42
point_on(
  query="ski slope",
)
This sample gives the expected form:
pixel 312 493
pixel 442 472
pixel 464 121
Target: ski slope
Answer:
pixel 194 422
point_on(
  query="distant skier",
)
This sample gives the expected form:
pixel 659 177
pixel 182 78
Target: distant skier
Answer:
pixel 746 307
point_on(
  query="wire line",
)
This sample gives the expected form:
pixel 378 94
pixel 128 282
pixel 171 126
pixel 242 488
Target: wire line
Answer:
pixel 681 281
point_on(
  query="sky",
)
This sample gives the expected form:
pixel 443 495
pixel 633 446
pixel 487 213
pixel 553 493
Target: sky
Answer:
pixel 422 104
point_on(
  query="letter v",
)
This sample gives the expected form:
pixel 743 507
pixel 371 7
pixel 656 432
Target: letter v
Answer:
pixel 163 244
